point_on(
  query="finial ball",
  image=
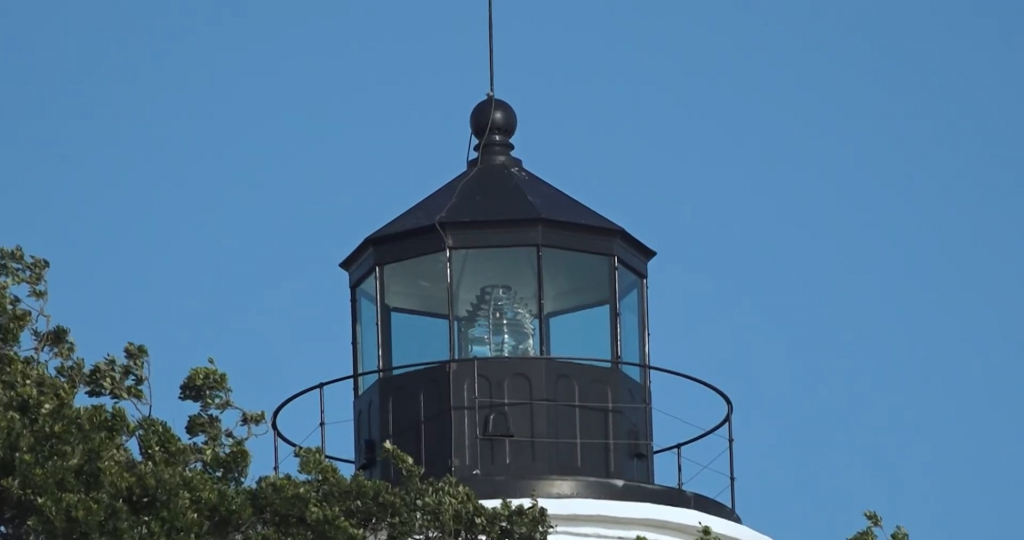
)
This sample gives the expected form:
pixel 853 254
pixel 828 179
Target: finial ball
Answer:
pixel 496 112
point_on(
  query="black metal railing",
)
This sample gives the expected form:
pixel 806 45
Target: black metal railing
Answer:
pixel 675 450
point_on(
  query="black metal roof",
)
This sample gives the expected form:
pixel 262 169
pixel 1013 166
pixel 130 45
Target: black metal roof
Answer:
pixel 496 188
pixel 495 191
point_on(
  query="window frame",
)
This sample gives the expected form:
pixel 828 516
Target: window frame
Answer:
pixel 356 295
pixel 385 361
pixel 643 331
pixel 546 316
pixel 452 300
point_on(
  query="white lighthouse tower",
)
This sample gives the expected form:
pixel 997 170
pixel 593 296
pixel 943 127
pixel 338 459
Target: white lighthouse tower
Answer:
pixel 500 336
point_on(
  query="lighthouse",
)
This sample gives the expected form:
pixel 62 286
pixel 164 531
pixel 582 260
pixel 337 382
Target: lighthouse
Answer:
pixel 500 336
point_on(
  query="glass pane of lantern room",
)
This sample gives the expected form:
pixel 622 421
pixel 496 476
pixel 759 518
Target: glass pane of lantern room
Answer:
pixel 495 299
pixel 578 304
pixel 416 307
pixel 366 329
pixel 631 321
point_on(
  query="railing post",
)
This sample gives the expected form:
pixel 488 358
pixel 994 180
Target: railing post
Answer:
pixel 732 469
pixel 277 461
pixel 323 424
pixel 679 467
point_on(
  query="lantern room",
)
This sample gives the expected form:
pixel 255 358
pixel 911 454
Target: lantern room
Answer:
pixel 497 263
pixel 499 334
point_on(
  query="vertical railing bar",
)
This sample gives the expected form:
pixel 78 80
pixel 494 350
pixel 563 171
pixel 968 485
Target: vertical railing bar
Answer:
pixel 277 460
pixel 323 424
pixel 679 467
pixel 732 468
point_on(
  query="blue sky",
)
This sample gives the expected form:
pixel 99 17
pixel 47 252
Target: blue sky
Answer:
pixel 835 189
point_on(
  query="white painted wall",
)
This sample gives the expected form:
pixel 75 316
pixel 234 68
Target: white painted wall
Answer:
pixel 580 519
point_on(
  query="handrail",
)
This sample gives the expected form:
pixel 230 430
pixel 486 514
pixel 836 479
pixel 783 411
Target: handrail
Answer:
pixel 726 419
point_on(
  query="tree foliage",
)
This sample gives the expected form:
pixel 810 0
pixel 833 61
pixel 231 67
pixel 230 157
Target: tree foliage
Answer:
pixel 874 530
pixel 82 455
